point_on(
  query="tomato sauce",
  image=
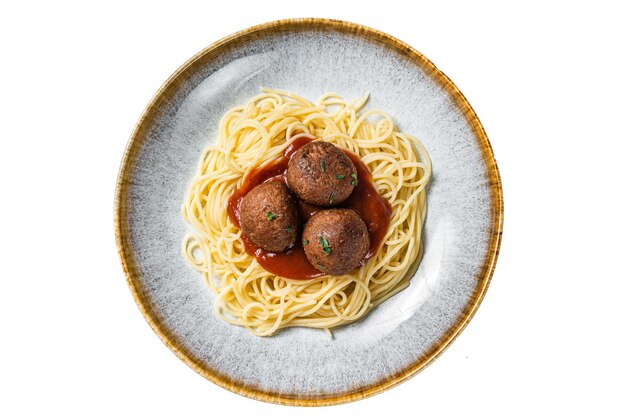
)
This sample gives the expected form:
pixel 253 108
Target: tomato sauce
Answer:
pixel 364 199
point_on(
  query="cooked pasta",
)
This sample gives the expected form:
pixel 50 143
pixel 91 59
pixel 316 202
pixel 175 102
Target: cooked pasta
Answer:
pixel 254 135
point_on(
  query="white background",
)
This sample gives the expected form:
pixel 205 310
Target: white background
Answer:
pixel 547 81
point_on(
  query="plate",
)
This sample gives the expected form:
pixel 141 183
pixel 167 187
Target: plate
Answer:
pixel 461 235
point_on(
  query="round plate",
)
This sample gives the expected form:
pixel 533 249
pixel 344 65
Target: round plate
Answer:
pixel 461 236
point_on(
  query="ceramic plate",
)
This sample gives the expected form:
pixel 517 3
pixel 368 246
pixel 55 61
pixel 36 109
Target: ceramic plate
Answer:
pixel 461 235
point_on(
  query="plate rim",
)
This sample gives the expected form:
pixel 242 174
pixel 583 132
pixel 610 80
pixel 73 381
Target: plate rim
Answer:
pixel 137 138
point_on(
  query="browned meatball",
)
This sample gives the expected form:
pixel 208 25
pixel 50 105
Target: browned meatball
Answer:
pixel 321 174
pixel 269 216
pixel 335 240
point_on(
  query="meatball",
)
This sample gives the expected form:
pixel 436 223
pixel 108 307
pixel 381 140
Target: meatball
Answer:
pixel 269 216
pixel 335 241
pixel 321 174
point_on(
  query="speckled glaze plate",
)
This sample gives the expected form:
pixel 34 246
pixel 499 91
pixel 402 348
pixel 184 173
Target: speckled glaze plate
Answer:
pixel 461 236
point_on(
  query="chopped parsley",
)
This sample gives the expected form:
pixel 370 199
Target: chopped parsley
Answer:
pixel 325 245
pixel 331 198
pixel 355 180
pixel 271 216
pixel 340 176
pixel 323 164
pixel 306 242
pixel 289 229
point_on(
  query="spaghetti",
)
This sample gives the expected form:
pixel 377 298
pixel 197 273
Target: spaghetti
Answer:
pixel 254 135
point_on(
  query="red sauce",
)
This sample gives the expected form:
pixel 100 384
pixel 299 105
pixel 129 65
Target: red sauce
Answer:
pixel 365 200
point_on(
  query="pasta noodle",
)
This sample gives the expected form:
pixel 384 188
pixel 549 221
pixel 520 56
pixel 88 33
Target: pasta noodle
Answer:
pixel 257 133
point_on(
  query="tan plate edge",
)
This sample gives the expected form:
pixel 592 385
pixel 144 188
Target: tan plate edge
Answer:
pixel 130 267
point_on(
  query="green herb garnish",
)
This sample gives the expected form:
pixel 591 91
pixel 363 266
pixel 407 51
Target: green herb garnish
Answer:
pixel 289 229
pixel 355 180
pixel 340 176
pixel 271 216
pixel 325 245
pixel 331 198
pixel 323 164
pixel 306 242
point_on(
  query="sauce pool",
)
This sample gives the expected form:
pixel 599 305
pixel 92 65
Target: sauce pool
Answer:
pixel 293 263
